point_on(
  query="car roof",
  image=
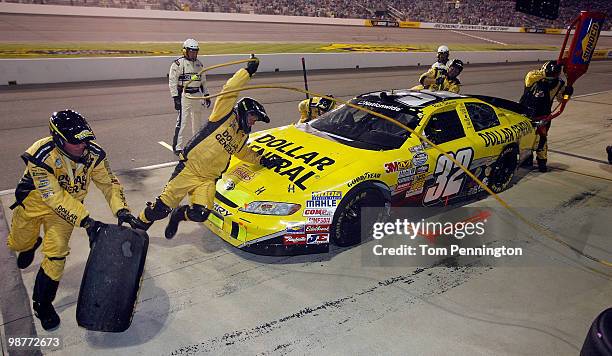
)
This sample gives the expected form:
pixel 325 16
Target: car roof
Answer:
pixel 411 98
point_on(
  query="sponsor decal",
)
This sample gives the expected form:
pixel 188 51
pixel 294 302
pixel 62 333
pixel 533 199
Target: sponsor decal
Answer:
pixel 384 23
pixel 43 182
pixel 321 203
pixel 420 159
pixel 363 177
pixel 300 166
pixel 84 134
pixel 415 149
pixel 327 195
pixel 318 212
pixel 506 134
pixel 319 221
pixel 58 163
pixel 311 229
pixel 46 194
pixel 230 185
pixel 294 239
pixel 587 43
pixel 221 210
pixel 80 183
pixel 243 173
pixel 354 47
pixel 449 26
pixel 378 105
pixel 422 169
pixel 406 172
pixel 295 229
pixel 66 215
pixel 315 239
pixel 228 142
pixel 414 192
pixel 395 166
pixel 403 186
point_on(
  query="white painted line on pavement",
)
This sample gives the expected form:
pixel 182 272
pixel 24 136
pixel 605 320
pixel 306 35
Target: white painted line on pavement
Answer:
pixel 590 94
pixel 166 145
pixel 7 192
pixel 154 166
pixel 478 37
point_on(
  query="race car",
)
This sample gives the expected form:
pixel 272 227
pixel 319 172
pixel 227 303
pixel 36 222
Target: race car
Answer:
pixel 346 159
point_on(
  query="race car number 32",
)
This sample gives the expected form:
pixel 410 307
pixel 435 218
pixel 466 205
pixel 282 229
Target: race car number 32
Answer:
pixel 449 177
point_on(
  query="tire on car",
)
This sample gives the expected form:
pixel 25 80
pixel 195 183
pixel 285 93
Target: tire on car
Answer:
pixel 503 170
pixel 346 224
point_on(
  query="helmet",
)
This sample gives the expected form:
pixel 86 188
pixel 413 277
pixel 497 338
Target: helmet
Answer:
pixel 191 44
pixel 69 126
pixel 551 69
pixel 247 106
pixel 457 63
pixel 324 105
pixel 443 49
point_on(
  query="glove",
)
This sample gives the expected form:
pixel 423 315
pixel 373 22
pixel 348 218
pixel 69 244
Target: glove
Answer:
pixel 207 102
pixel 269 162
pixel 440 81
pixel 124 216
pixel 569 91
pixel 252 65
pixel 177 102
pixel 92 227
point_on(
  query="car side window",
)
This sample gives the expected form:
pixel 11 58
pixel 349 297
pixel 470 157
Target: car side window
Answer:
pixel 444 127
pixel 483 116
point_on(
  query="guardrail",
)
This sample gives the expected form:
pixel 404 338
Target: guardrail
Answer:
pixel 60 70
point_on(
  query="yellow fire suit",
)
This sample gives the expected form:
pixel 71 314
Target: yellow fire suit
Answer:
pixel 428 81
pixel 206 156
pixel 538 96
pixel 51 193
pixel 181 71
pixel 311 104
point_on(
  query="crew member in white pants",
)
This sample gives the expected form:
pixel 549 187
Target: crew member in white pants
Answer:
pixel 182 70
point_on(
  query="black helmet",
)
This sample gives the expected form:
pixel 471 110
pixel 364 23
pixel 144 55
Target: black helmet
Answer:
pixel 551 69
pixel 69 126
pixel 457 63
pixel 247 106
pixel 324 105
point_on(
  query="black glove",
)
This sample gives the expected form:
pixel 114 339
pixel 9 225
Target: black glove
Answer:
pixel 569 91
pixel 440 80
pixel 207 101
pixel 269 162
pixel 177 102
pixel 252 65
pixel 124 216
pixel 93 228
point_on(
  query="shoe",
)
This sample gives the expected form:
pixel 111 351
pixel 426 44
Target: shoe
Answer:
pixel 542 165
pixel 25 258
pixel 49 319
pixel 139 224
pixel 44 293
pixel 176 217
pixel 609 150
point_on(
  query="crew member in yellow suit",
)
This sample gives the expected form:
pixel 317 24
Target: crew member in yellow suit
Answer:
pixel 313 107
pixel 50 194
pixel 542 86
pixel 207 155
pixel 440 79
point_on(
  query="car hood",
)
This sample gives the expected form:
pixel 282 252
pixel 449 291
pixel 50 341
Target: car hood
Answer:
pixel 308 157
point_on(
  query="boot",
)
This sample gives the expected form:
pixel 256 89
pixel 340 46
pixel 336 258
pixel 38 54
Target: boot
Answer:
pixel 176 217
pixel 528 162
pixel 43 296
pixel 139 224
pixel 609 151
pixel 25 258
pixel 542 165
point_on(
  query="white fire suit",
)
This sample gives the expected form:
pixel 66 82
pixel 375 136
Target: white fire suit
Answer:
pixel 181 71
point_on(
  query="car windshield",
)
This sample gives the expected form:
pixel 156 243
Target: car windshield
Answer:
pixel 360 129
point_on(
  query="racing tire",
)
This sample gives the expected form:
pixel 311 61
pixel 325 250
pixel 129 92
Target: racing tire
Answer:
pixel 503 170
pixel 346 225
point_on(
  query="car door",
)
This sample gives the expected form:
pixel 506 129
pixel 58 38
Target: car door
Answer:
pixel 445 181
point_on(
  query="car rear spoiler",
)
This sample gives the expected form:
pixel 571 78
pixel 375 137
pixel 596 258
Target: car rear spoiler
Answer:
pixel 503 103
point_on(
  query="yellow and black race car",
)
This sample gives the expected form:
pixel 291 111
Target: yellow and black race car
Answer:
pixel 347 158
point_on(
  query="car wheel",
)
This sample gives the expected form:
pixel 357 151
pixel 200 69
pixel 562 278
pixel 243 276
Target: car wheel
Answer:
pixel 346 225
pixel 503 170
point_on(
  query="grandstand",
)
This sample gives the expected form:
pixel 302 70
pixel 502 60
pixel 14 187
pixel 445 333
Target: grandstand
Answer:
pixel 471 12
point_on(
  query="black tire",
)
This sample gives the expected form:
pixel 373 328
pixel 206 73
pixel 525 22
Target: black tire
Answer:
pixel 503 170
pixel 346 225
